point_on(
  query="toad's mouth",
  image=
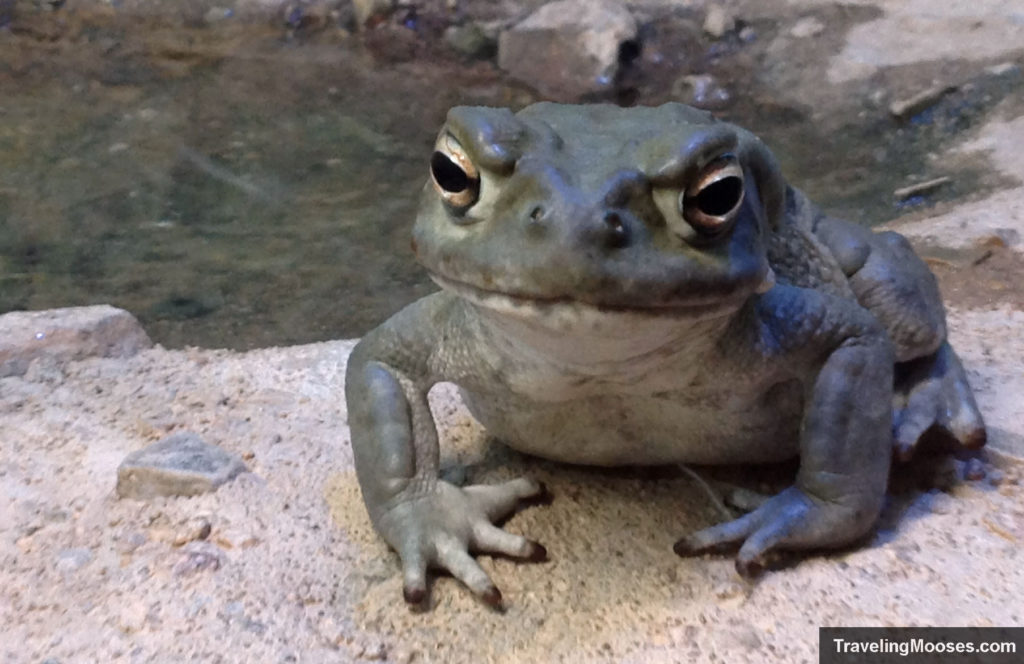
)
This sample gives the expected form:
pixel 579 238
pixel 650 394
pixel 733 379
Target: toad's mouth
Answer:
pixel 535 305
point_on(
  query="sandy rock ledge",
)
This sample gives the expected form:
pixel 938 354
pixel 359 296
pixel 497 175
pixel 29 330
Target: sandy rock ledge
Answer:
pixel 281 563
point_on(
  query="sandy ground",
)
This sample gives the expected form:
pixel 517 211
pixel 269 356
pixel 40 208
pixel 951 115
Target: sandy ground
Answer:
pixel 292 572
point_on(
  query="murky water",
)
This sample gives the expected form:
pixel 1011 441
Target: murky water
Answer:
pixel 235 189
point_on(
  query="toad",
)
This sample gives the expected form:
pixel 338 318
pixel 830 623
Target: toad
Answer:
pixel 641 286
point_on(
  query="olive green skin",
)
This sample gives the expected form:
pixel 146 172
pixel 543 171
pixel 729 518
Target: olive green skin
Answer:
pixel 587 317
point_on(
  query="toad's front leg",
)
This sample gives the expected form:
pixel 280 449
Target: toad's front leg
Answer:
pixel 429 522
pixel 845 446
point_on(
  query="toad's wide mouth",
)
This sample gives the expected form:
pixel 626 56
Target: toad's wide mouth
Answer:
pixel 542 306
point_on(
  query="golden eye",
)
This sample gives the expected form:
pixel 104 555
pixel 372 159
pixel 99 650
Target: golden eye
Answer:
pixel 455 177
pixel 711 202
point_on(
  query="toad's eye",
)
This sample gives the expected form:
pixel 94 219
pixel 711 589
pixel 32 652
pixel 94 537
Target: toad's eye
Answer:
pixel 710 204
pixel 455 177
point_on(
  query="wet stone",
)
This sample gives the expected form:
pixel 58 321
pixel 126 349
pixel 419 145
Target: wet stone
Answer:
pixel 182 464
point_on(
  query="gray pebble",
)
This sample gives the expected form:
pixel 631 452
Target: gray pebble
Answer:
pixel 70 560
pixel 198 557
pixel 182 464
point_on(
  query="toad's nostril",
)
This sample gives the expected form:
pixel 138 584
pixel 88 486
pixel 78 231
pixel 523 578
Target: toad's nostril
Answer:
pixel 616 234
pixel 536 226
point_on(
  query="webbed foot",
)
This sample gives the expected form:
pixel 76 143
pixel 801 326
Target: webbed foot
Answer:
pixel 791 519
pixel 933 391
pixel 441 526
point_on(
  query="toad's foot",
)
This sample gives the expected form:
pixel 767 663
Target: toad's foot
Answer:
pixel 440 526
pixel 792 519
pixel 933 391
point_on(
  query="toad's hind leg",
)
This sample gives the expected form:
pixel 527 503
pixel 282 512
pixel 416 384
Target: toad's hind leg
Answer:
pixel 896 286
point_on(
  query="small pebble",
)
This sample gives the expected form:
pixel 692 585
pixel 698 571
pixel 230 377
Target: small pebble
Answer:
pixel 374 652
pixel 718 22
pixel 728 590
pixel 197 559
pixel 194 530
pixel 975 469
pixel 808 26
pixel 235 538
pixel 70 560
pixel 744 636
pixel 703 91
pixel 941 503
pixel 129 542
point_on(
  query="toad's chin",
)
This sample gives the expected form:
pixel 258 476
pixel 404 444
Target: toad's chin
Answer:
pixel 564 314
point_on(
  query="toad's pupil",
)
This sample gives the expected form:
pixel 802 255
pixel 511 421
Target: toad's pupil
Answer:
pixel 447 173
pixel 719 197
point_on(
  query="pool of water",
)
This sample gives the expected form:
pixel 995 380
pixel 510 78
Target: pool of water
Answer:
pixel 234 188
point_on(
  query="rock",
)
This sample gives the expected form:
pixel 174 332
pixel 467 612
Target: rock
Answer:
pixel 702 91
pixel 369 12
pixel 128 543
pixel 63 335
pixel 194 530
pixel 743 637
pixel 568 48
pixel 728 590
pixel 718 22
pixel 235 538
pixel 471 41
pixel 974 469
pixel 941 503
pixel 198 557
pixel 182 464
pixel 70 560
pixel 808 26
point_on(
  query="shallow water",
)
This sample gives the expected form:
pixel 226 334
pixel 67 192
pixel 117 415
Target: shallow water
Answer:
pixel 236 189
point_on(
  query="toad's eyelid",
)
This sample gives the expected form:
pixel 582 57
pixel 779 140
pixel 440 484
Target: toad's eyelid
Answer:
pixel 450 143
pixel 494 147
pixel 694 154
